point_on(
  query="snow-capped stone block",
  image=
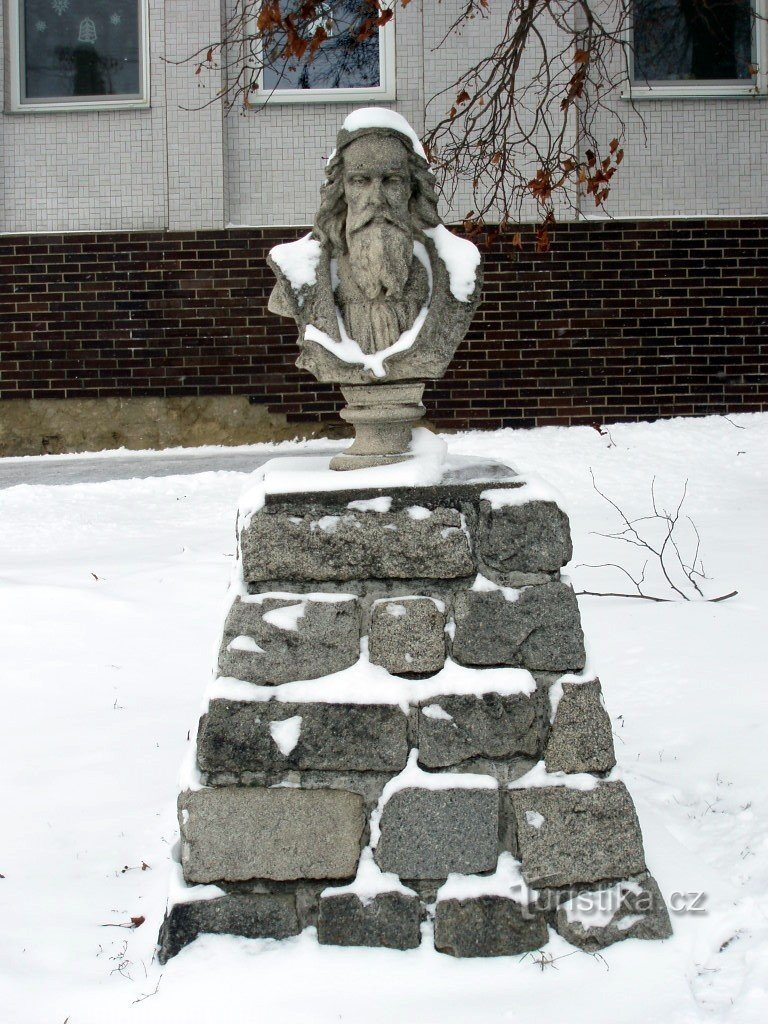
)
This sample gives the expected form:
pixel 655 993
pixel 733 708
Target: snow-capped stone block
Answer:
pixel 407 635
pixel 252 915
pixel 568 836
pixel 534 536
pixel 538 628
pixel 390 919
pixel 278 638
pixel 630 909
pixel 487 926
pixel 315 543
pixel 429 833
pixel 236 834
pixel 254 736
pixel 581 739
pixel 455 728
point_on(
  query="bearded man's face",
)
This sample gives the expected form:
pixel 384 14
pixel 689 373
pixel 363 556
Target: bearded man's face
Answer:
pixel 379 232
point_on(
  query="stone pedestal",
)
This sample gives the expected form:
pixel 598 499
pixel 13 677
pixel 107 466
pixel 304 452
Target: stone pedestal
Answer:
pixel 390 739
pixel 383 416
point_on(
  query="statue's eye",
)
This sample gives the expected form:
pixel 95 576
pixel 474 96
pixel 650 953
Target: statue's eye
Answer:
pixel 360 179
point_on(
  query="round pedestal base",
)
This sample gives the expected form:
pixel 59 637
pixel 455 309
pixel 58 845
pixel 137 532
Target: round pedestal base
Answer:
pixel 383 416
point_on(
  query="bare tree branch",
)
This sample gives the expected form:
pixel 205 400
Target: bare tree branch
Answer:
pixel 678 570
pixel 650 597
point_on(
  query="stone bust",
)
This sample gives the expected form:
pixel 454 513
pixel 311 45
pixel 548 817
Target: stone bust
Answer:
pixel 382 292
pixel 377 257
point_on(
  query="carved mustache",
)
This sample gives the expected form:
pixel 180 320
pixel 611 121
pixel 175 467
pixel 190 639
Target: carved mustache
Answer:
pixel 374 214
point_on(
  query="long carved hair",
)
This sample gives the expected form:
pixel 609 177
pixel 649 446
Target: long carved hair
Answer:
pixel 331 218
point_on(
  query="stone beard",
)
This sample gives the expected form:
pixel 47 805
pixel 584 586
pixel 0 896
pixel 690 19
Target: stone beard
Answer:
pixel 382 286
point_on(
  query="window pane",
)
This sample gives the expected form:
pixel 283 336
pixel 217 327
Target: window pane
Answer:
pixel 692 39
pixel 342 62
pixel 81 48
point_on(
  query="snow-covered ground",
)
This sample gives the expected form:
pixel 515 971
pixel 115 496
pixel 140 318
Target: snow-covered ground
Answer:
pixel 110 601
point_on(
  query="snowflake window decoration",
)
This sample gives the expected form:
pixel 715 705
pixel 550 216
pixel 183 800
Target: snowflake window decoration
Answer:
pixel 60 6
pixel 115 18
pixel 40 25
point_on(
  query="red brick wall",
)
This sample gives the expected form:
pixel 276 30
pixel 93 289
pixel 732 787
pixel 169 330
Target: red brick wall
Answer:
pixel 619 321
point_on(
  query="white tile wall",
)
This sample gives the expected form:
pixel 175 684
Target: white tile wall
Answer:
pixel 103 171
pixel 703 157
pixel 168 167
pixel 194 124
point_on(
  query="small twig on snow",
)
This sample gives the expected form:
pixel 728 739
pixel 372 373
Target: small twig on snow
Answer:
pixel 651 597
pixel 148 995
pixel 135 922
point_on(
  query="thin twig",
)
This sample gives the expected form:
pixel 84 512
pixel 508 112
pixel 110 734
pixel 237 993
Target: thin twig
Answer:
pixel 148 995
pixel 668 554
pixel 614 565
pixel 651 597
pixel 637 597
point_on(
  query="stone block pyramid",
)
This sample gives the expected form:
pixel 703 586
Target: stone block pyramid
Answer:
pixel 401 743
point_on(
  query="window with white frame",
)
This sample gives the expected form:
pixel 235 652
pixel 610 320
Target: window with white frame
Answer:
pixel 344 67
pixel 701 46
pixel 75 54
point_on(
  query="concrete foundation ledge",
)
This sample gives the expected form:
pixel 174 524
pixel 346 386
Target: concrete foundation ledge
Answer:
pixel 42 426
